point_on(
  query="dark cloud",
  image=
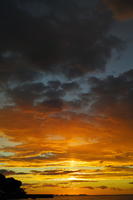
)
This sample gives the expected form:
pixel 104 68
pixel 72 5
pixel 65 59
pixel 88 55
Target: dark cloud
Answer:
pixel 67 37
pixel 40 37
pixel 120 168
pixel 10 172
pixel 55 85
pixel 70 86
pixel 49 185
pixel 89 187
pixel 114 92
pixel 122 9
pixel 102 187
pixel 54 94
pixel 105 175
pixel 54 105
pixel 55 172
pixel 24 95
pixel 50 95
pixel 7 172
pixel 18 75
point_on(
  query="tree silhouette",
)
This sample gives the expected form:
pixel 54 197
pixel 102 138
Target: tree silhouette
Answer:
pixel 10 187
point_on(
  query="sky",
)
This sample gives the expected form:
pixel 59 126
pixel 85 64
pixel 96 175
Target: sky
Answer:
pixel 66 95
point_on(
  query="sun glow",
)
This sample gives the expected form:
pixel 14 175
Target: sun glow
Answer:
pixel 72 163
pixel 72 178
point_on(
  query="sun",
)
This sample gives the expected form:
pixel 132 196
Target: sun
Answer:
pixel 71 178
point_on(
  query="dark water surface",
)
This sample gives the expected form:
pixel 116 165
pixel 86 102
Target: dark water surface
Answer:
pixel 126 197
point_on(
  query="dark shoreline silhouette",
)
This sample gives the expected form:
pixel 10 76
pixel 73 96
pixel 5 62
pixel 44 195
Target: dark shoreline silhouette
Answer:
pixel 10 188
pixel 36 196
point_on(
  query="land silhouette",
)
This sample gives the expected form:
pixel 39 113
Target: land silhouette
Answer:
pixel 10 188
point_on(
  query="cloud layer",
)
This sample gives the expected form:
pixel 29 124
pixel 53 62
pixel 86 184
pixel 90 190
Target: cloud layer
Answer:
pixel 67 37
pixel 64 123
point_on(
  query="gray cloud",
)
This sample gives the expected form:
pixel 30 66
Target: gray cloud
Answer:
pixel 113 92
pixel 24 95
pixel 69 37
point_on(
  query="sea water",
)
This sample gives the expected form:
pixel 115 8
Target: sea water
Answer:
pixel 121 197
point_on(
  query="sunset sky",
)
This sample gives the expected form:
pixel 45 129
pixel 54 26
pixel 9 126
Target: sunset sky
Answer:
pixel 66 95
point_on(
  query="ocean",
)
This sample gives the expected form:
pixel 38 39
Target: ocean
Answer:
pixel 121 197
